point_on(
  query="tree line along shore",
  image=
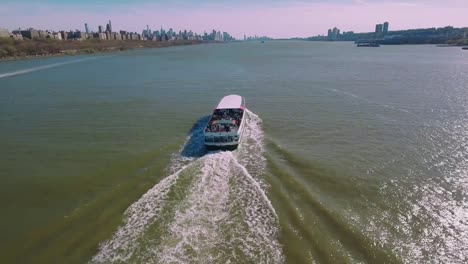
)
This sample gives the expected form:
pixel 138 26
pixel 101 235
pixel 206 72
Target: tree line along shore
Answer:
pixel 11 49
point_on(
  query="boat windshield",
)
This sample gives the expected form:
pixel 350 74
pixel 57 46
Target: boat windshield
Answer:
pixel 225 120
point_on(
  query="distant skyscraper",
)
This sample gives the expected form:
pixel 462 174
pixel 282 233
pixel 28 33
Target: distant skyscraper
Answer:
pixel 86 28
pixel 335 33
pixel 385 27
pixel 378 28
pixel 100 29
pixel 110 26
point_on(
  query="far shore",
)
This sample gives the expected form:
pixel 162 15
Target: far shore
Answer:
pixel 12 50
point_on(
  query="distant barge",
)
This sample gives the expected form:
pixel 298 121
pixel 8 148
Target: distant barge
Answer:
pixel 368 44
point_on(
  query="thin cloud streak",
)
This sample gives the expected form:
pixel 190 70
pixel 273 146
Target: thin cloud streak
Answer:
pixel 298 19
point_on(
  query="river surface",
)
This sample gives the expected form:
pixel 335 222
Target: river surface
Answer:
pixel 350 155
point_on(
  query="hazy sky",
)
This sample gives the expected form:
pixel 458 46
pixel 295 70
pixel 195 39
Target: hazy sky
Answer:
pixel 287 18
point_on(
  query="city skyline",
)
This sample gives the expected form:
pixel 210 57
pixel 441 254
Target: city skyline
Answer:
pixel 258 17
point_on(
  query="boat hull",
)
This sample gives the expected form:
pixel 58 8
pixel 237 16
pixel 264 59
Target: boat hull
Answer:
pixel 218 147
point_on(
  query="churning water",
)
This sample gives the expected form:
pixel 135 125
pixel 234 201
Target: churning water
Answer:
pixel 210 209
pixel 352 156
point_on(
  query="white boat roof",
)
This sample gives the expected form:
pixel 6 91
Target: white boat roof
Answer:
pixel 232 101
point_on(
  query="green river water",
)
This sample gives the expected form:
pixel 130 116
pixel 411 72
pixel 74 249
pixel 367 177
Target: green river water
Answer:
pixel 351 155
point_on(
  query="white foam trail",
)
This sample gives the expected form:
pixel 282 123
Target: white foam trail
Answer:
pixel 369 101
pixel 257 187
pixel 225 211
pixel 138 216
pixel 250 153
pixel 196 223
pixel 223 216
pixel 40 68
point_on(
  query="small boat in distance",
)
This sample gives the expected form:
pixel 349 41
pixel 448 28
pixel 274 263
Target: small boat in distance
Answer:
pixel 226 125
pixel 465 48
pixel 368 44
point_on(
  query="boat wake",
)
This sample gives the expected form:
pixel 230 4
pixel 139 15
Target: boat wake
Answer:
pixel 212 208
pixel 40 68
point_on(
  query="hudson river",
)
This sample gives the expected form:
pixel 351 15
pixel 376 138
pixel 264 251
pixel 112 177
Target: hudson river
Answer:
pixel 350 155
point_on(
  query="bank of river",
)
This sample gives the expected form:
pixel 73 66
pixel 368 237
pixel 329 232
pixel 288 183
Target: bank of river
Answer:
pixel 32 49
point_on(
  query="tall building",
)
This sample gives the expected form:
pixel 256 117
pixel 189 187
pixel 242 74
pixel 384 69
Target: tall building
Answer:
pixel 110 26
pixel 335 31
pixel 100 29
pixel 385 27
pixel 333 34
pixel 378 28
pixel 4 33
pixel 86 28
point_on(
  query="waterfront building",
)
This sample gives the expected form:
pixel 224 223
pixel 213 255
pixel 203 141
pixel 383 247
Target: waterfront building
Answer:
pixel 385 28
pixel 42 34
pixel 107 34
pixel 63 34
pixel 4 33
pixel 333 34
pixel 79 35
pixel 378 28
pixel 70 35
pixel 16 36
pixel 135 36
pixel 28 33
pixel 56 36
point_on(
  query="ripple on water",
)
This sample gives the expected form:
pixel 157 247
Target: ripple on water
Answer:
pixel 211 208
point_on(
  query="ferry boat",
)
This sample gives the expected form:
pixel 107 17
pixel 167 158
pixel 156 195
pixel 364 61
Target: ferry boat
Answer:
pixel 226 125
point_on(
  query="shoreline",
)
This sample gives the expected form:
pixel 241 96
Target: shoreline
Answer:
pixel 120 47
